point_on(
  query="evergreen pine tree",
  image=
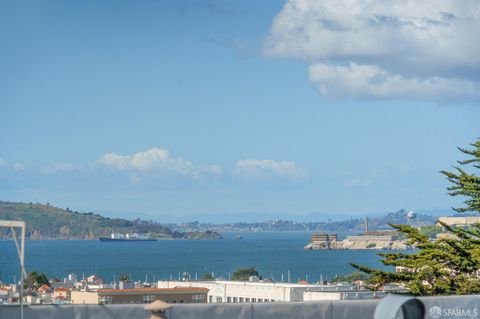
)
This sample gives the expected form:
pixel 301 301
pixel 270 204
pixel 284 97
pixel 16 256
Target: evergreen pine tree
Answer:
pixel 464 183
pixel 449 265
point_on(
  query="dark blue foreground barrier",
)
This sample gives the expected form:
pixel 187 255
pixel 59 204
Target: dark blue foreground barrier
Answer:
pixel 358 309
pixel 392 307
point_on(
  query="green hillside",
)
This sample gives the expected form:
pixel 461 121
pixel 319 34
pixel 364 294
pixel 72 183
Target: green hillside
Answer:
pixel 48 222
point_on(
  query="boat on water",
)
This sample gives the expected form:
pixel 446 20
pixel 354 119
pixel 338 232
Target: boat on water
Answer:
pixel 128 237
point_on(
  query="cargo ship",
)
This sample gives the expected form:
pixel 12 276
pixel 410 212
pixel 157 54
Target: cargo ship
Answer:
pixel 128 237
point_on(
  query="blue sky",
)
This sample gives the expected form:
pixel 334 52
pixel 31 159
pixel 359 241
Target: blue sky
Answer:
pixel 188 107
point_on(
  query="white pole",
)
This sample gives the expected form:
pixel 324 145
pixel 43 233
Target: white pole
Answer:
pixel 22 265
pixel 21 252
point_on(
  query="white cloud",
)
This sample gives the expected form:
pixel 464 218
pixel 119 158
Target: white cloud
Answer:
pixel 366 81
pixel 17 167
pixel 155 159
pixel 211 169
pixel 421 45
pixel 362 182
pixel 58 167
pixel 248 168
pixel 2 162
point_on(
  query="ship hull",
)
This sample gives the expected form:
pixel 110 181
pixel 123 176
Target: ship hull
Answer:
pixel 125 239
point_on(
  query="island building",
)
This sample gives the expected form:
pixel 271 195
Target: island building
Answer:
pixel 324 237
pixel 140 295
pixel 379 239
pixel 226 291
pixel 322 241
pixel 459 221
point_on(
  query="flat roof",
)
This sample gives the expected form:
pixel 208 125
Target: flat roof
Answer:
pixel 153 290
pixel 252 283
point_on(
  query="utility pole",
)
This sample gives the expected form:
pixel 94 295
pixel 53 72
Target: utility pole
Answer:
pixel 20 250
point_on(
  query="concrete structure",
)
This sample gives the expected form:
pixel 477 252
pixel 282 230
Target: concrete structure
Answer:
pixel 140 295
pixel 342 295
pixel 62 293
pixel 224 291
pixel 364 238
pixel 322 241
pixel 126 285
pixel 324 237
pixel 356 309
pixel 459 221
pixel 378 239
pixel 4 294
pixel 311 310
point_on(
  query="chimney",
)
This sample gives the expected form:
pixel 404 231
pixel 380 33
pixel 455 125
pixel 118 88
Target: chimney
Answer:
pixel 366 224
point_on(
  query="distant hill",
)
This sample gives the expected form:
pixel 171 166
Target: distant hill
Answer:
pixel 48 222
pixel 259 217
pixel 381 222
pixel 346 225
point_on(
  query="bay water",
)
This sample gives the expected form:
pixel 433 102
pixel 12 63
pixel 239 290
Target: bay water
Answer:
pixel 271 253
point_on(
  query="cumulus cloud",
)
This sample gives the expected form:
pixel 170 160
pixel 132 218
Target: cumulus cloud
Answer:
pixel 249 168
pixel 366 81
pixel 155 159
pixel 425 47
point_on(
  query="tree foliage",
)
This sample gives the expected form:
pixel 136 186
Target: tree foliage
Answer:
pixel 35 280
pixel 464 183
pixel 354 276
pixel 208 277
pixel 443 267
pixel 243 274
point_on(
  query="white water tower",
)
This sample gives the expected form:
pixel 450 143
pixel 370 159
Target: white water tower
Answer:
pixel 411 215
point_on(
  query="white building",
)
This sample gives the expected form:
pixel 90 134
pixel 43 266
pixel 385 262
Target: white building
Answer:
pixel 459 221
pixel 221 291
pixel 342 295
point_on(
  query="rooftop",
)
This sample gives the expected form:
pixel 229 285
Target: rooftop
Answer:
pixel 146 290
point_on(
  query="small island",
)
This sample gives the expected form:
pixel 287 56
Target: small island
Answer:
pixel 379 239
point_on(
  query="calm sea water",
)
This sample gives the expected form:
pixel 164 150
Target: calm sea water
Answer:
pixel 272 253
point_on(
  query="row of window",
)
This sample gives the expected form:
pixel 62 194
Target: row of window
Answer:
pixel 239 300
pixel 150 298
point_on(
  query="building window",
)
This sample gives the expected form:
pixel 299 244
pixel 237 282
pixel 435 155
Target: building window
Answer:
pixel 272 300
pixel 254 300
pixel 149 298
pixel 219 300
pixel 210 299
pixel 235 299
pixel 200 298
pixel 247 299
pixel 241 299
pixel 105 300
pixel 229 299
